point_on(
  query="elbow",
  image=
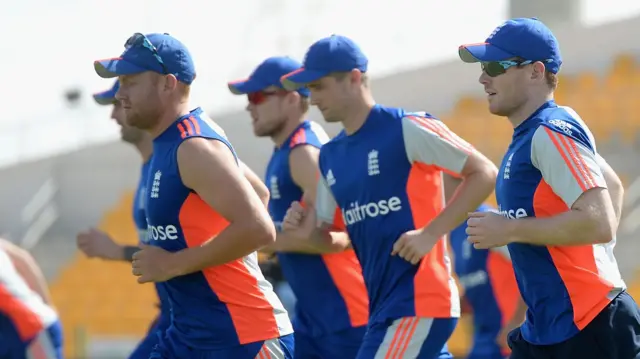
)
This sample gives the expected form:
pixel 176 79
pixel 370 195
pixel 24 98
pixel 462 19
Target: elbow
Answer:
pixel 604 229
pixel 262 232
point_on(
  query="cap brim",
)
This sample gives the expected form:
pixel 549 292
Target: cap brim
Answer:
pixel 482 52
pixel 243 87
pixel 104 98
pixel 111 68
pixel 300 78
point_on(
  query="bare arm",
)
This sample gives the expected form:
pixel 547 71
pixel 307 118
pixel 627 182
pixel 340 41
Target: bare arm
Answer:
pixel 261 190
pixel 590 218
pixel 28 269
pixel 614 185
pixel 209 168
pixel 303 164
pixel 430 142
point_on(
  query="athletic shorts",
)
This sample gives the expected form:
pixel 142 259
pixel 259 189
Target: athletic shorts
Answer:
pixel 278 348
pixel 339 345
pixel 408 337
pixel 46 345
pixel 146 345
pixel 612 334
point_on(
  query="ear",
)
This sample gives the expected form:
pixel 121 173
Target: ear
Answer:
pixel 355 76
pixel 538 70
pixel 170 82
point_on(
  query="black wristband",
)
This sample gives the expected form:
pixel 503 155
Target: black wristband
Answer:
pixel 129 251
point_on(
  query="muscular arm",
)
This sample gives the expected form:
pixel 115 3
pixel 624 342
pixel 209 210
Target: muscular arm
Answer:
pixel 430 142
pixel 303 164
pixel 590 217
pixel 28 269
pixel 209 168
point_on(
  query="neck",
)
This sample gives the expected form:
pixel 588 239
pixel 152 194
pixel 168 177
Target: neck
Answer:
pixel 145 149
pixel 527 109
pixel 358 114
pixel 168 118
pixel 287 130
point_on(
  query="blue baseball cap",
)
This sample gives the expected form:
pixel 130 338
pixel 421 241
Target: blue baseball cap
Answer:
pixel 161 53
pixel 267 74
pixel 527 38
pixel 332 54
pixel 107 97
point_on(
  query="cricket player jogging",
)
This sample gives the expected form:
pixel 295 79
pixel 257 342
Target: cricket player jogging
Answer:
pixel 332 304
pixel 205 222
pixel 384 172
pixel 557 216
pixel 97 244
pixel 29 326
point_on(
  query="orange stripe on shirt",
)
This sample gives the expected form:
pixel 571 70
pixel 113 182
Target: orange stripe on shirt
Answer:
pixel 346 273
pixel 196 126
pixel 189 126
pixel 27 323
pixel 298 138
pixel 183 131
pixel 432 291
pixel 576 265
pixel 569 152
pixel 251 313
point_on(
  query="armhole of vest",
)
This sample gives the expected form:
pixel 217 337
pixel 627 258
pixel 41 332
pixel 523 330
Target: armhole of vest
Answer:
pixel 225 142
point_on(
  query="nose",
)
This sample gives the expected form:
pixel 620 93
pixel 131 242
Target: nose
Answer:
pixel 484 78
pixel 249 107
pixel 313 99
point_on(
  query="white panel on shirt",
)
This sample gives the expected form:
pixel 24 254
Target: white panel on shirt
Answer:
pixel 569 168
pixel 279 313
pixel 325 204
pixel 431 142
pixel 18 288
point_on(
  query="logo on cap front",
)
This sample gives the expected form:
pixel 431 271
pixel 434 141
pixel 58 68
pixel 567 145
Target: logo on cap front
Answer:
pixel 497 29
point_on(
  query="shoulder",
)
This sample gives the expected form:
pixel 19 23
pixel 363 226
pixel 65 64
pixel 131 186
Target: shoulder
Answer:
pixel 562 124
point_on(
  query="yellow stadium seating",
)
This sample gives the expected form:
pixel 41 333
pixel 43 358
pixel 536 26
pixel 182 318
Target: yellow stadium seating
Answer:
pixel 103 298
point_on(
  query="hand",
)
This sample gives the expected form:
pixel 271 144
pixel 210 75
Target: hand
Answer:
pixel 413 245
pixel 95 243
pixel 488 230
pixel 152 264
pixel 299 221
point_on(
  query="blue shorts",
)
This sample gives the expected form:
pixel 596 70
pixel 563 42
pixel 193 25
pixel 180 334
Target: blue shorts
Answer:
pixel 47 344
pixel 408 337
pixel 278 348
pixel 612 334
pixel 146 345
pixel 339 345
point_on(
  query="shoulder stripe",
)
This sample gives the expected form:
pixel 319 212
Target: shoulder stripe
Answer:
pixel 188 127
pixel 298 138
pixel 570 153
pixel 442 131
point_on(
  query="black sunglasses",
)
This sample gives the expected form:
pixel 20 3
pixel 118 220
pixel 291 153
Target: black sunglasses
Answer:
pixel 139 39
pixel 497 68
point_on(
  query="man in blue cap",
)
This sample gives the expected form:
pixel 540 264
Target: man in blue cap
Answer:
pixel 204 221
pixel 332 309
pixel 97 244
pixel 384 172
pixel 556 215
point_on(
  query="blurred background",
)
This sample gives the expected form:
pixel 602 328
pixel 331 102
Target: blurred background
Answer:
pixel 63 168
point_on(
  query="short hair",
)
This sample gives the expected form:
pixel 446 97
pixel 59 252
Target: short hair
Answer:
pixel 339 76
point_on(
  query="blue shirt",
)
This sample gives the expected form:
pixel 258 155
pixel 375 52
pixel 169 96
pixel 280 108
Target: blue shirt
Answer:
pixel 551 161
pixel 223 306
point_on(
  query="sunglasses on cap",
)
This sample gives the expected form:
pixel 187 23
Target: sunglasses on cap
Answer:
pixel 137 40
pixel 256 98
pixel 496 68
